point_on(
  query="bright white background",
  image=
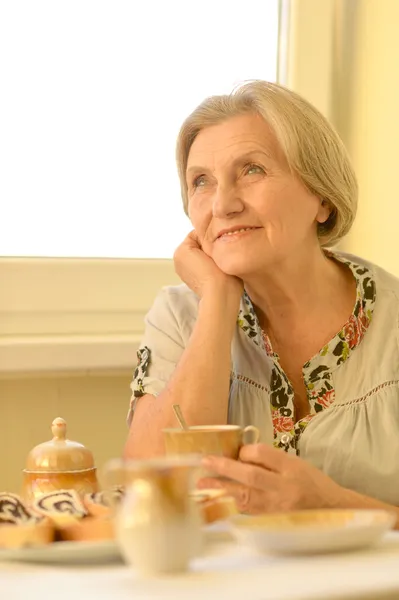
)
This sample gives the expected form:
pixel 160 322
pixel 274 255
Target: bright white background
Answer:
pixel 92 97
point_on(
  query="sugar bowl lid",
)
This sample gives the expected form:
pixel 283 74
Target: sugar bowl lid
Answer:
pixel 59 455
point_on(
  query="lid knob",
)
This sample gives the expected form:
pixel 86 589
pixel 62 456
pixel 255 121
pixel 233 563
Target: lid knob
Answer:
pixel 58 428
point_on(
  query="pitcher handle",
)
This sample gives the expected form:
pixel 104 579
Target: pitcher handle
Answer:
pixel 255 434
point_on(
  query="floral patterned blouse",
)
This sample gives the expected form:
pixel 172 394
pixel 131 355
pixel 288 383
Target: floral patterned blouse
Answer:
pixel 317 372
pixel 352 383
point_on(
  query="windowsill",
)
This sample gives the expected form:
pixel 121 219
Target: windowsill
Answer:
pixel 59 315
pixel 32 355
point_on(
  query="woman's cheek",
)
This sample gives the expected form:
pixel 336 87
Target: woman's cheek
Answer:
pixel 202 238
pixel 207 248
pixel 201 224
pixel 197 222
pixel 205 244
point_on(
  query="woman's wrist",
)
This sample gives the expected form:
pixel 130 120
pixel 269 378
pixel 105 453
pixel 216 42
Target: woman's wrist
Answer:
pixel 219 298
pixel 349 499
pixel 341 498
pixel 225 290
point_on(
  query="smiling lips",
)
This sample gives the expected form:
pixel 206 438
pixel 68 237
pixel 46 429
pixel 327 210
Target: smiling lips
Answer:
pixel 234 232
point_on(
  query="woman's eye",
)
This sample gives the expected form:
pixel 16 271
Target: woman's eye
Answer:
pixel 199 181
pixel 254 170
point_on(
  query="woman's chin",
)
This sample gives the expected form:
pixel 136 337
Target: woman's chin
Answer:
pixel 237 268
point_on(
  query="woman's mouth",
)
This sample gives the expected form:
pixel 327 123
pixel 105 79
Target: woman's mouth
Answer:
pixel 230 235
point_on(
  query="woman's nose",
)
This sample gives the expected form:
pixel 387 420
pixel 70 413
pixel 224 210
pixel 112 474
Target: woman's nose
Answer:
pixel 226 201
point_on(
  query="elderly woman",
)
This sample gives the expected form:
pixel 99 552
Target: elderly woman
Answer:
pixel 271 328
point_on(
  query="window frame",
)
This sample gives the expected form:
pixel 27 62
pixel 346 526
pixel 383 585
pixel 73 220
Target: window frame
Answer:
pixel 83 315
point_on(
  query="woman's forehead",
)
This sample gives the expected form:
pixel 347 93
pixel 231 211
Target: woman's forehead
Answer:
pixel 231 139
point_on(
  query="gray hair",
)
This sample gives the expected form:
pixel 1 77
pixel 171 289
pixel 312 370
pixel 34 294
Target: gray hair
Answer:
pixel 313 149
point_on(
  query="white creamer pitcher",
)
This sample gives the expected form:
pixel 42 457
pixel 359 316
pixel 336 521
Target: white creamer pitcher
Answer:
pixel 158 525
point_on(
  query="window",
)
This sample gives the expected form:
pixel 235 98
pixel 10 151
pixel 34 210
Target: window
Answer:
pixel 94 93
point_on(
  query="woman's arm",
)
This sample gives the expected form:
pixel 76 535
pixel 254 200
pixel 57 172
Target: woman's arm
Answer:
pixel 200 382
pixel 350 499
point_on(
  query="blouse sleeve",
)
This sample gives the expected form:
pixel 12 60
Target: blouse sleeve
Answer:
pixel 159 351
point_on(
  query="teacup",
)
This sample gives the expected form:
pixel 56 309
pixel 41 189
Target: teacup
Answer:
pixel 219 440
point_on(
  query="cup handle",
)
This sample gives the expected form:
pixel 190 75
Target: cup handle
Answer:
pixel 255 434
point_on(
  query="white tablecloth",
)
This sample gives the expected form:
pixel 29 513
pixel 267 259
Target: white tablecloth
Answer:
pixel 226 572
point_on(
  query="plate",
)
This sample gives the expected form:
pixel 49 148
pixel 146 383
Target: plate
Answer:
pixel 312 531
pixel 66 553
pixel 93 552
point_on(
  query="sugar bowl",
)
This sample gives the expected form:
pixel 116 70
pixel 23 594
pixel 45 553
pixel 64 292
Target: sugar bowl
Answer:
pixel 57 464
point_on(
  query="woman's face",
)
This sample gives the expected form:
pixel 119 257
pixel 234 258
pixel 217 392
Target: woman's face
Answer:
pixel 238 178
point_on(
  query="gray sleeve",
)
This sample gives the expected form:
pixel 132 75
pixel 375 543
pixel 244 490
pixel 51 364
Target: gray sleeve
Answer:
pixel 159 352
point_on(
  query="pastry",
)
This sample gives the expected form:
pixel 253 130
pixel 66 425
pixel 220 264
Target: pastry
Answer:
pixel 60 505
pixel 89 529
pixel 13 510
pixel 19 526
pixel 215 504
pixel 71 517
pixel 35 532
pixel 100 504
pixel 56 516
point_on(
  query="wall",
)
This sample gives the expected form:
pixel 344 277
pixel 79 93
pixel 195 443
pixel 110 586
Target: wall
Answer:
pixel 343 56
pixel 94 406
pixel 368 85
pixel 69 331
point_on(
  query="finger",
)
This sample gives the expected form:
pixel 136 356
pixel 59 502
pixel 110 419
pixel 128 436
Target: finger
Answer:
pixel 251 475
pixel 193 239
pixel 248 500
pixel 210 483
pixel 273 459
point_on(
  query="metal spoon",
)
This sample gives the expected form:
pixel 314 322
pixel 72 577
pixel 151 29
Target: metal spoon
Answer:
pixel 179 417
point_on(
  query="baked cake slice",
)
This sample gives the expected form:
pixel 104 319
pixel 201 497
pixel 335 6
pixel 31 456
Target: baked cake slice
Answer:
pixel 61 503
pixel 21 527
pixel 108 497
pixel 214 504
pixel 99 504
pixel 13 511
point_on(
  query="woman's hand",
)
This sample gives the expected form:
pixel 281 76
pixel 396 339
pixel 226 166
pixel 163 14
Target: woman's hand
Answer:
pixel 200 272
pixel 266 479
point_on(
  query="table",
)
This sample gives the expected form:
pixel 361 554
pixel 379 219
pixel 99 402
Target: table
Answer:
pixel 227 571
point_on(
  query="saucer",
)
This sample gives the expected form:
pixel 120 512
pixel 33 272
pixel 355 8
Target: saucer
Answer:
pixel 312 531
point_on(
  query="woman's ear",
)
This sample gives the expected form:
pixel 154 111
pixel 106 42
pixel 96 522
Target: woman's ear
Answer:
pixel 324 211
